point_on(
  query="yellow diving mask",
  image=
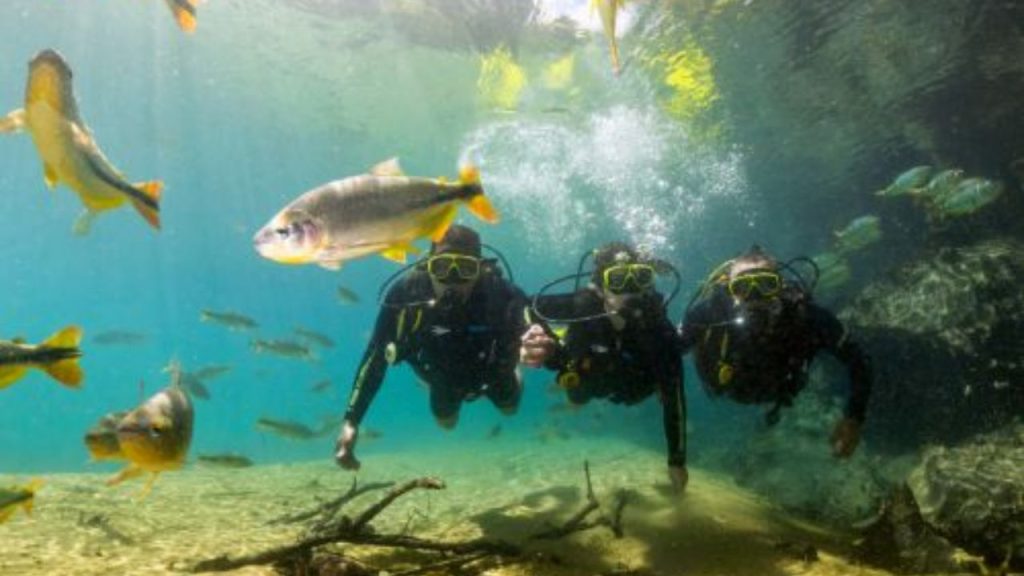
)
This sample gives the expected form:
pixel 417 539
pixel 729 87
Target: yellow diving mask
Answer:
pixel 453 268
pixel 766 283
pixel 622 278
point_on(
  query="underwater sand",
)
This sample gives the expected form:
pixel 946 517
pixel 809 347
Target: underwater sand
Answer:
pixel 501 488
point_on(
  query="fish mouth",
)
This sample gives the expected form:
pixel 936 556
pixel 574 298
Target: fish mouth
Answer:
pixel 53 59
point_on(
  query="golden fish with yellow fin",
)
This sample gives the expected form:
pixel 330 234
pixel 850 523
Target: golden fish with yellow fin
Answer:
pixel 382 212
pixel 154 437
pixel 67 148
pixel 57 356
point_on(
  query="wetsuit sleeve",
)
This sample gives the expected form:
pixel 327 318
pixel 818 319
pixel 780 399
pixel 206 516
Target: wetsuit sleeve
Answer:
pixel 373 366
pixel 514 324
pixel 694 325
pixel 834 337
pixel 673 404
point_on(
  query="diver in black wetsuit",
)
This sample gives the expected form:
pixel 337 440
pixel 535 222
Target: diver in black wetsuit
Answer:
pixel 754 334
pixel 457 322
pixel 619 344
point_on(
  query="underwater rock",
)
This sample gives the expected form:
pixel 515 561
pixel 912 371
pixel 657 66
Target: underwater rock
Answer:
pixel 791 462
pixel 944 334
pixel 899 539
pixel 973 494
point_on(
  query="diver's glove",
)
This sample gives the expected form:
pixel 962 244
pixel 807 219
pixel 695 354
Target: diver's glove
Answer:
pixel 845 437
pixel 345 448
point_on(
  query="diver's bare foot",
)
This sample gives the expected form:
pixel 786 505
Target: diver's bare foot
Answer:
pixel 345 455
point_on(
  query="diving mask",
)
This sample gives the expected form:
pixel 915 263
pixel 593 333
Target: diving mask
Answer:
pixel 453 268
pixel 628 278
pixel 766 283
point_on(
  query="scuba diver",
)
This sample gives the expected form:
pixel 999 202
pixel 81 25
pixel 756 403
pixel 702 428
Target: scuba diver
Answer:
pixel 755 332
pixel 619 343
pixel 456 320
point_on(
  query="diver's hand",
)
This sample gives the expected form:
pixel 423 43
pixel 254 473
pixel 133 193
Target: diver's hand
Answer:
pixel 345 448
pixel 845 437
pixel 536 347
pixel 679 477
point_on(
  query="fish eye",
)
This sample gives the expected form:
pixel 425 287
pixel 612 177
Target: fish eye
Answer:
pixel 281 231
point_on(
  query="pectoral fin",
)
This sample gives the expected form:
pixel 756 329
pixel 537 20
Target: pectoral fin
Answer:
pixel 50 176
pixel 83 224
pixel 129 472
pixel 13 122
pixel 10 374
pixel 399 252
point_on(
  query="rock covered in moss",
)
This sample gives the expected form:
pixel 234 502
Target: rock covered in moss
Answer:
pixel 973 494
pixel 944 334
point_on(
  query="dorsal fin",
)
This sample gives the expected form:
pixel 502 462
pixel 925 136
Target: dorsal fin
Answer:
pixel 389 167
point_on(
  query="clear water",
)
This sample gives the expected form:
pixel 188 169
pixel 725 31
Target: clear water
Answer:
pixel 786 119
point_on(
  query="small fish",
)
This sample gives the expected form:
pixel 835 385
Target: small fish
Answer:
pixel 101 439
pixel 858 234
pixel 833 271
pixel 283 348
pixel 188 381
pixel 969 197
pixel 224 460
pixel 68 150
pixel 287 429
pixel 184 12
pixel 230 320
pixel 314 337
pixel 346 296
pixel 155 436
pixel 14 497
pixel 118 337
pixel 378 213
pixel 608 10
pixel 494 432
pixel 907 182
pixel 57 356
pixel 370 434
pixel 321 386
pixel 212 371
pixel 941 185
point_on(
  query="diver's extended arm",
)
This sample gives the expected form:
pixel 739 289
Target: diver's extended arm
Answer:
pixel 836 339
pixel 372 368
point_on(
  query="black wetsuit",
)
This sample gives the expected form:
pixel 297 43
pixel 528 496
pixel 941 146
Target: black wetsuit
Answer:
pixel 763 357
pixel 624 366
pixel 460 350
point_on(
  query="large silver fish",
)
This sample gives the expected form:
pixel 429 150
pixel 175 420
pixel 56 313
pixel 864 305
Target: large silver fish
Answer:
pixel 380 212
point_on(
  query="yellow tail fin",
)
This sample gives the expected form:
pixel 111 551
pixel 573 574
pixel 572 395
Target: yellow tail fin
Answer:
pixel 67 372
pixel 152 190
pixel 482 208
pixel 67 337
pixel 478 204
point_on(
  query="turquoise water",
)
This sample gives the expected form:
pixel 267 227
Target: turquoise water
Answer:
pixel 269 99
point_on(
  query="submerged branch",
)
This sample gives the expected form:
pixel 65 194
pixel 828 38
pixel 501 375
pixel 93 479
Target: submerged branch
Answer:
pixel 330 508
